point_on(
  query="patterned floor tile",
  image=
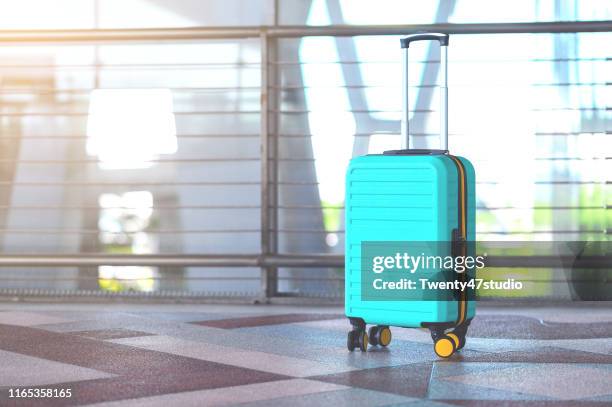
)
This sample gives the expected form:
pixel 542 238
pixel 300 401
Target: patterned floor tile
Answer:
pixel 230 395
pixel 106 334
pixel 440 389
pixel 276 345
pixel 575 313
pixel 602 346
pixel 334 346
pixel 190 316
pixel 296 332
pixel 520 327
pixel 602 399
pixel 28 318
pixel 443 391
pixel 148 385
pixel 223 337
pixel 337 398
pixel 558 381
pixel 541 354
pixel 282 346
pixel 233 323
pixel 20 370
pixel 446 368
pixel 102 321
pixel 263 361
pixel 153 355
pixel 141 372
pixel 493 345
pixel 410 380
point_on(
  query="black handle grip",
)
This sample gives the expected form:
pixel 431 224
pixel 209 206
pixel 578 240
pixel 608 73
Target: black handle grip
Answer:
pixel 442 38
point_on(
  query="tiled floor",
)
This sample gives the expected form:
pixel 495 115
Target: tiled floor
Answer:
pixel 207 355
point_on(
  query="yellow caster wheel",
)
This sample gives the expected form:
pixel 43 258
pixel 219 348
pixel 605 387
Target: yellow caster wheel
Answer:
pixel 455 339
pixel 379 335
pixel 445 346
pixel 363 341
pixel 384 336
pixel 458 339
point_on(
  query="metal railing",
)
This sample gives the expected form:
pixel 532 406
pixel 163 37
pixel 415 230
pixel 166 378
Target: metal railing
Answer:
pixel 268 260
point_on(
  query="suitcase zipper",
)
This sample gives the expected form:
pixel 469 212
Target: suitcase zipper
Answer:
pixel 461 235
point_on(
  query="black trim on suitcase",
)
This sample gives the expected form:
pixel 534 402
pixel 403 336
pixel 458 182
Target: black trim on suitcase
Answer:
pixel 459 235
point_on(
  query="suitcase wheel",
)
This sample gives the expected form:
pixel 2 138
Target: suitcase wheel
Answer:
pixel 384 336
pixel 363 341
pixel 379 335
pixel 455 339
pixel 373 335
pixel 351 340
pixel 458 339
pixel 357 339
pixel 444 346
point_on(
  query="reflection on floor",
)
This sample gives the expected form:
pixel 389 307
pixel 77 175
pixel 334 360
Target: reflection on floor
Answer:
pixel 207 355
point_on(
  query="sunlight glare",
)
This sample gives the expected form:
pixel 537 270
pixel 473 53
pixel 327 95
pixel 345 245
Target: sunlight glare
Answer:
pixel 128 128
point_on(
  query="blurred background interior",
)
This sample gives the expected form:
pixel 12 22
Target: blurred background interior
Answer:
pixel 152 144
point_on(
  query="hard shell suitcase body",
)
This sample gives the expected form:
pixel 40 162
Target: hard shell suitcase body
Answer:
pixel 409 195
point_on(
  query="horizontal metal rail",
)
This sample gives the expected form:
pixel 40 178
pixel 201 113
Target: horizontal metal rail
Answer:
pixel 84 137
pixel 291 136
pixel 132 184
pixel 61 231
pixel 160 295
pixel 286 159
pixel 293 112
pixel 198 160
pixel 284 207
pixel 435 86
pixel 38 278
pixel 31 90
pixel 225 33
pixel 479 28
pixel 241 89
pixel 257 65
pixel 431 61
pixel 396 134
pixel 368 111
pixel 183 260
pixel 480 232
pixel 179 278
pixel 298 159
pixel 61 114
pixel 277 260
pixel 98 207
pixel 135 180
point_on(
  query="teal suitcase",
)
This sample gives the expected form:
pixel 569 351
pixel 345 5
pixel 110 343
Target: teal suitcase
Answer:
pixel 410 196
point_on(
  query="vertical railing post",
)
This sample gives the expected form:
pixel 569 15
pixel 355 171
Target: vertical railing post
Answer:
pixel 268 147
pixel 273 130
pixel 264 147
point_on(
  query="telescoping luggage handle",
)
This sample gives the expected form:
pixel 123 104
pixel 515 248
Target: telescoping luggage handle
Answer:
pixel 443 40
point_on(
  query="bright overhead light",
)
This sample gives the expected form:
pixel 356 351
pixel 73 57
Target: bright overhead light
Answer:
pixel 129 128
